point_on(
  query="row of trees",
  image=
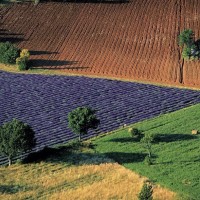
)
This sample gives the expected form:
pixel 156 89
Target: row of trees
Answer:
pixel 17 137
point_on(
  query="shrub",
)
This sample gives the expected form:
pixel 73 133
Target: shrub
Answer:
pixel 146 192
pixel 25 54
pixel 23 60
pixel 191 49
pixel 22 64
pixel 16 138
pixel 148 160
pixel 186 53
pixel 186 38
pixel 134 132
pixel 8 53
pixel 190 53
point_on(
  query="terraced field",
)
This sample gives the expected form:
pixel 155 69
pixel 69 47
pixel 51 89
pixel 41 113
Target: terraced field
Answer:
pixel 134 39
pixel 44 102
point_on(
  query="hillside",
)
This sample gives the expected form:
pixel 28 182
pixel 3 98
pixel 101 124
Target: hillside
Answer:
pixel 44 102
pixel 73 174
pixel 134 40
pixel 175 150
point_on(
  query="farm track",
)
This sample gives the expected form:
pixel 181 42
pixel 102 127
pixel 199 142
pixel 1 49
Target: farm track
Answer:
pixel 44 102
pixel 134 40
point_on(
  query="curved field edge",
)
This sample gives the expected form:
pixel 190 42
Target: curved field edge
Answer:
pixel 80 174
pixel 13 69
pixel 176 151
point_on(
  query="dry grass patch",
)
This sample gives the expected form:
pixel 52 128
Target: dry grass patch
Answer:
pixel 58 181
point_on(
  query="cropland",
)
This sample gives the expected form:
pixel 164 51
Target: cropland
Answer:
pixel 134 40
pixel 44 102
pixel 122 59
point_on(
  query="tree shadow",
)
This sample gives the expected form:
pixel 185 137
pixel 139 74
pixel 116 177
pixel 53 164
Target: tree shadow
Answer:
pixel 52 64
pixel 126 139
pixel 10 37
pixel 34 52
pixel 192 161
pixel 173 137
pixel 90 1
pixel 122 157
pixel 197 43
pixel 10 189
pixel 69 155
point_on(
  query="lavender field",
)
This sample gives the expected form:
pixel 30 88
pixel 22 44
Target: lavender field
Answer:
pixel 44 102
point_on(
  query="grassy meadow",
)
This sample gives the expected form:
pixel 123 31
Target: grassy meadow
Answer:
pixel 72 173
pixel 175 151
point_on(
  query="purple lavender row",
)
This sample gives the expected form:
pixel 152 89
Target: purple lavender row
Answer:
pixel 44 102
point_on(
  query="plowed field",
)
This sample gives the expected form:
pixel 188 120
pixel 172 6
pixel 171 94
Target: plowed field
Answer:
pixel 134 40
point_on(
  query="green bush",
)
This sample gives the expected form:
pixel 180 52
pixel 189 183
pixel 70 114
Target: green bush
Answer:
pixel 148 160
pixel 186 53
pixel 23 60
pixel 146 192
pixel 8 53
pixel 191 49
pixel 186 38
pixel 22 63
pixel 134 132
pixel 190 53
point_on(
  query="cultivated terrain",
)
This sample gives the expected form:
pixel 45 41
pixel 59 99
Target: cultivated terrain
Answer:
pixel 134 39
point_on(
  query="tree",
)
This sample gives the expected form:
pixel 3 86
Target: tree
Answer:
pixel 147 143
pixel 186 38
pixel 8 53
pixel 16 137
pixel 81 119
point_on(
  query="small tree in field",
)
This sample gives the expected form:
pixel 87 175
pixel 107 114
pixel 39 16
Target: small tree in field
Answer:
pixel 186 38
pixel 81 119
pixel 16 138
pixel 147 144
pixel 8 53
pixel 190 49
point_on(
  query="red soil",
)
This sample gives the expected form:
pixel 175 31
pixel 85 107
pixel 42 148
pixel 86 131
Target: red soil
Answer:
pixel 135 40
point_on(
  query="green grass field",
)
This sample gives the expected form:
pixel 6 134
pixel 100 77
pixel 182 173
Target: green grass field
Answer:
pixel 176 151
